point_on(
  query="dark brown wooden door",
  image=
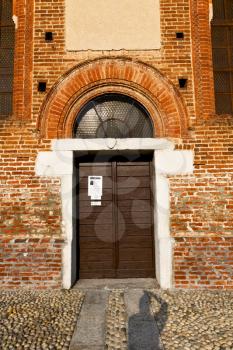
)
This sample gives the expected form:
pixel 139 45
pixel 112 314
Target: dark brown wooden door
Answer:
pixel 116 238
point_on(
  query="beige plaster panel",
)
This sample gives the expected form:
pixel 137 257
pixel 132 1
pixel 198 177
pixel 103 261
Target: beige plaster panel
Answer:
pixel 112 24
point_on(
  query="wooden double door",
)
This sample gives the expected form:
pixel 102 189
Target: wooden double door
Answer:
pixel 116 235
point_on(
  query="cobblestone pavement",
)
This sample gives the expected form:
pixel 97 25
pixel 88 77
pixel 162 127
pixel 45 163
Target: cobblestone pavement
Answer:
pixel 194 320
pixel 186 320
pixel 36 320
pixel 116 321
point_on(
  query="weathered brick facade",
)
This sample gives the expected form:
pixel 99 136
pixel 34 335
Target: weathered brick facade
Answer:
pixel 201 204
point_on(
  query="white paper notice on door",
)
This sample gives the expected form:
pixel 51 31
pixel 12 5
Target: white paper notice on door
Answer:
pixel 95 187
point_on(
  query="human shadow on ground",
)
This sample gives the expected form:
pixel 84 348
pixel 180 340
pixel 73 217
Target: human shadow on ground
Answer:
pixel 144 327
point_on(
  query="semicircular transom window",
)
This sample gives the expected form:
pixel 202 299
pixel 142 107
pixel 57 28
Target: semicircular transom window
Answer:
pixel 113 116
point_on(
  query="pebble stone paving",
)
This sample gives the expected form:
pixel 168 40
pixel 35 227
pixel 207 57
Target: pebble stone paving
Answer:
pixel 187 320
pixel 194 320
pixel 115 337
pixel 38 320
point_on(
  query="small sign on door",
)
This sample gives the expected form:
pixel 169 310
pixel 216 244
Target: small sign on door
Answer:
pixel 95 204
pixel 95 187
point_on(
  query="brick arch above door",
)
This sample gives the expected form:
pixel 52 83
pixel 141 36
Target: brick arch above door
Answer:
pixel 113 75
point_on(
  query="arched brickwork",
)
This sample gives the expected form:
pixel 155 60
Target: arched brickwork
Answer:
pixel 119 75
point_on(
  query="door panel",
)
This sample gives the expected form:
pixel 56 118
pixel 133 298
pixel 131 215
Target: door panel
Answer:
pixel 134 254
pixel 132 181
pixel 98 218
pixel 93 242
pixel 103 169
pixel 137 205
pixel 132 217
pixel 116 238
pixel 135 241
pixel 89 209
pixel 97 230
pixel 136 208
pixel 134 273
pixel 132 169
pixel 134 230
pixel 96 255
pixel 96 236
pixel 133 193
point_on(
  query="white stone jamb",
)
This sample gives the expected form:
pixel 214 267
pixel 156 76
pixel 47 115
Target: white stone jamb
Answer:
pixel 167 163
pixel 211 12
pixel 15 19
pixel 60 164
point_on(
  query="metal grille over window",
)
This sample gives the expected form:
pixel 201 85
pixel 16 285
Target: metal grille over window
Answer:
pixel 113 116
pixel 222 43
pixel 7 34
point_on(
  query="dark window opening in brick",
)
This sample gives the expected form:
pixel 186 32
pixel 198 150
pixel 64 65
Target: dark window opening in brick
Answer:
pixel 180 35
pixel 48 36
pixel 7 41
pixel 183 82
pixel 42 86
pixel 222 45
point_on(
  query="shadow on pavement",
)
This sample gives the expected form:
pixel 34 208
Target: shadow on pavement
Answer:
pixel 143 331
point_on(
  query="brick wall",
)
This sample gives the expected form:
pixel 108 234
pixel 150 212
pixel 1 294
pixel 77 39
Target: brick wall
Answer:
pixel 202 209
pixel 22 98
pixel 174 59
pixel 29 212
pixel 203 262
pixel 30 261
pixel 201 205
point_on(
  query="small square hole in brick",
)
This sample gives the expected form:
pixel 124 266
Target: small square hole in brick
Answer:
pixel 49 36
pixel 183 83
pixel 179 35
pixel 42 86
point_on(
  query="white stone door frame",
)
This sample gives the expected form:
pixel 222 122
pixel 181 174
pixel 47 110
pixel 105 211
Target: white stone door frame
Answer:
pixel 167 162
